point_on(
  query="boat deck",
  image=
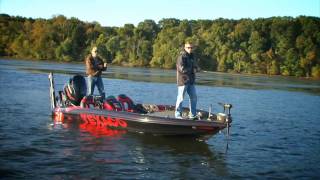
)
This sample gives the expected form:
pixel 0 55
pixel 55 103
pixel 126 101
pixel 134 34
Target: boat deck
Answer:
pixel 167 114
pixel 170 114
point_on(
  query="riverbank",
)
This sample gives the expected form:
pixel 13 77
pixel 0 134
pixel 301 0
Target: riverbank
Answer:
pixel 215 72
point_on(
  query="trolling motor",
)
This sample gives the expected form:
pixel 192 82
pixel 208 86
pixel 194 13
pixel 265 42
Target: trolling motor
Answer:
pixel 227 112
pixel 227 118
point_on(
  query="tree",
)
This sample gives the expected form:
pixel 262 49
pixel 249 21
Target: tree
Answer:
pixel 240 58
pixel 113 47
pixel 168 43
pixel 64 50
pixel 277 45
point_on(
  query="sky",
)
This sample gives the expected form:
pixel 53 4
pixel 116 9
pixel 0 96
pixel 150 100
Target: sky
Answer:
pixel 120 12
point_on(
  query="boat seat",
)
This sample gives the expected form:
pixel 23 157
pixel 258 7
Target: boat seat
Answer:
pixel 112 104
pixel 87 102
pixel 126 103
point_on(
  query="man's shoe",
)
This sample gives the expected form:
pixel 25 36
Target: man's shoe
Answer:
pixel 193 117
pixel 177 115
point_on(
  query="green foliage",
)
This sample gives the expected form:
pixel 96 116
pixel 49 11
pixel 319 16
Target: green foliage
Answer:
pixel 63 51
pixel 316 71
pixel 278 45
pixel 167 45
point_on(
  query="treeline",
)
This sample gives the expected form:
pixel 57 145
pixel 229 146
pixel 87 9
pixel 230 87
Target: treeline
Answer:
pixel 274 46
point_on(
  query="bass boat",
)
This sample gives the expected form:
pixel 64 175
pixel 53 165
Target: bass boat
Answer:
pixel 71 105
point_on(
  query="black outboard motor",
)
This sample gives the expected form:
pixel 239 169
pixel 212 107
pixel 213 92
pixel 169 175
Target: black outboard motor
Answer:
pixel 75 90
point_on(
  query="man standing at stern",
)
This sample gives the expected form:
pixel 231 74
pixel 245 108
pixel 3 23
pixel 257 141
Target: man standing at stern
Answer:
pixel 186 69
pixel 94 68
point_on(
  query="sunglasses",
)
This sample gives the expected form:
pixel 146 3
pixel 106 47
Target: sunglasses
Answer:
pixel 189 47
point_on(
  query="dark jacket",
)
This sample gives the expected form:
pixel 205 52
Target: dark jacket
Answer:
pixel 94 66
pixel 186 68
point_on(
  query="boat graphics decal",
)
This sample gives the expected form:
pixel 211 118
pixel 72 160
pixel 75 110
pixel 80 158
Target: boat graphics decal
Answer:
pixel 102 121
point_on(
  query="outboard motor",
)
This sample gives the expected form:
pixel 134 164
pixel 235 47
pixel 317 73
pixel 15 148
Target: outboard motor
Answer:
pixel 75 90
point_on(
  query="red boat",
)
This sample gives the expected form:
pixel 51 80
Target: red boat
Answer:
pixel 122 114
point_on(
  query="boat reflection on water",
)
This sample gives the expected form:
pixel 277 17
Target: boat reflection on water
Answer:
pixel 86 126
pixel 184 152
pixel 98 131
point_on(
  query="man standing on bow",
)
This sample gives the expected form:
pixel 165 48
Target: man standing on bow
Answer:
pixel 186 69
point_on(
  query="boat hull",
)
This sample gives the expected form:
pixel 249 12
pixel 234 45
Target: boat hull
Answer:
pixel 135 122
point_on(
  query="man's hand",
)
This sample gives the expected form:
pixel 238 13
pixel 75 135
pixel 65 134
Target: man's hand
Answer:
pixel 96 73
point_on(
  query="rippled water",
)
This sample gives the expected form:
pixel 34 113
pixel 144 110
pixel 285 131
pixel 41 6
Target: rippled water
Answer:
pixel 275 133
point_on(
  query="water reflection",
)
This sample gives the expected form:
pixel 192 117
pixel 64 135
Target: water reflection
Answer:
pixel 197 155
pixel 101 131
pixel 171 152
pixel 94 130
pixel 271 129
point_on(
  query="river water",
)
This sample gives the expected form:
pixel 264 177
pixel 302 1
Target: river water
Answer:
pixel 275 132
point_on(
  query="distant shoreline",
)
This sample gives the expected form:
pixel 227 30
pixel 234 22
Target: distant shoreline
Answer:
pixel 215 72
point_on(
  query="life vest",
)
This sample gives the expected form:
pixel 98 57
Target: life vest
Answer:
pixel 112 104
pixel 126 102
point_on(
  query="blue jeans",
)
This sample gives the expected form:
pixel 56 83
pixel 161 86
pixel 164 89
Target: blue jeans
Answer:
pixel 191 90
pixel 95 81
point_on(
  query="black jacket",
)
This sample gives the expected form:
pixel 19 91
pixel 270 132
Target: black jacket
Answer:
pixel 186 68
pixel 94 67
